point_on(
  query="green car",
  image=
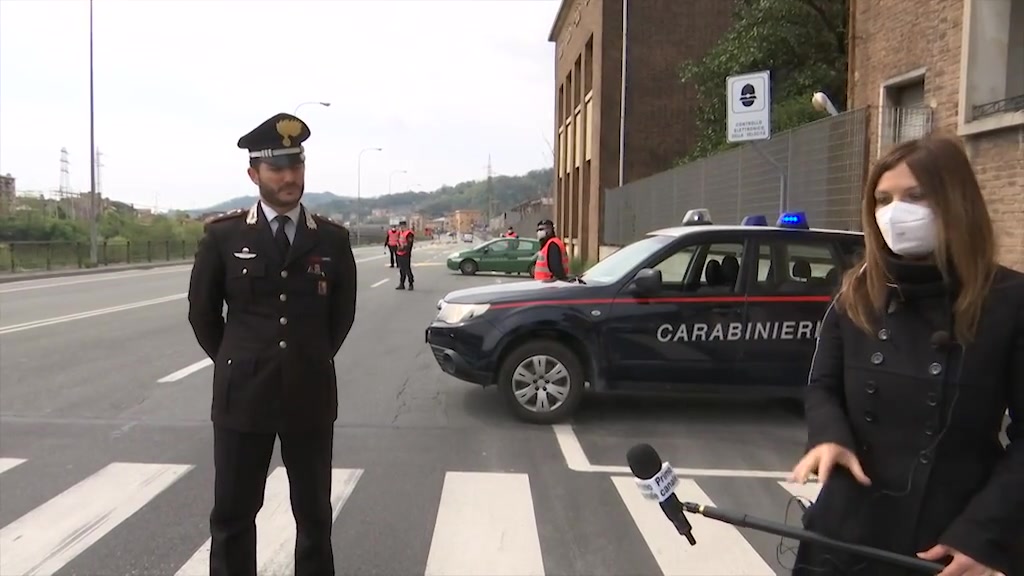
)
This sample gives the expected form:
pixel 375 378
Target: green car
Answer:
pixel 508 255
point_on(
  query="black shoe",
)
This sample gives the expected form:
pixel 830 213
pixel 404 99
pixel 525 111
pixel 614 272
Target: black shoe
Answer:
pixel 410 285
pixel 400 287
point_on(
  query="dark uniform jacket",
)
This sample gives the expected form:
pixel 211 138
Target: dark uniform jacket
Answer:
pixel 286 320
pixel 924 417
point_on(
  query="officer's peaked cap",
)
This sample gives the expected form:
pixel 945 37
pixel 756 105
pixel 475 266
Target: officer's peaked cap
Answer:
pixel 277 141
pixel 545 223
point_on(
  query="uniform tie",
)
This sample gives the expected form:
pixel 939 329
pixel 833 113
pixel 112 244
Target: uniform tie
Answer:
pixel 280 237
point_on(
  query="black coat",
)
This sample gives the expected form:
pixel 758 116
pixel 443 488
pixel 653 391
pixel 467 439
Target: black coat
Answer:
pixel 923 414
pixel 287 318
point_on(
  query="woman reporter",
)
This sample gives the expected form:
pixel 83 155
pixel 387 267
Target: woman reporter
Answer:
pixel 918 359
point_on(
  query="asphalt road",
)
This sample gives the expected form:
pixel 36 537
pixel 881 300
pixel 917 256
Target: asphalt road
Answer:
pixel 106 449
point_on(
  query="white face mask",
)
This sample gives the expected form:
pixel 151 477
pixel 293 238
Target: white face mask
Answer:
pixel 541 234
pixel 909 229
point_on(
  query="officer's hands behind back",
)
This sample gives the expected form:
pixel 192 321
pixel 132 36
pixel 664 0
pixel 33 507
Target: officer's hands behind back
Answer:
pixel 821 459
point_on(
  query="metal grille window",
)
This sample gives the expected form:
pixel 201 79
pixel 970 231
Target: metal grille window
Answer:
pixel 900 124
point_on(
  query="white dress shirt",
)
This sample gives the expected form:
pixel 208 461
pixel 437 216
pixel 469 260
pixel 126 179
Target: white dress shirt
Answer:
pixel 293 219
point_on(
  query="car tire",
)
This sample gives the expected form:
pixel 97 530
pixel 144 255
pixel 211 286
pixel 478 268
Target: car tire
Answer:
pixel 568 376
pixel 468 267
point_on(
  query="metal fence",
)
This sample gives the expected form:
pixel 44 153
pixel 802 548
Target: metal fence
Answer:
pixel 38 256
pixel 820 167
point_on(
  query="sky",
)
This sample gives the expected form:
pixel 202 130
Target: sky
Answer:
pixel 439 85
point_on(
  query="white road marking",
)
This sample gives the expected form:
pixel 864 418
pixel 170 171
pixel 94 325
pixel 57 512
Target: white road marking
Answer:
pixel 8 463
pixel 175 376
pixel 577 461
pixel 98 277
pixel 379 283
pixel 806 492
pixel 721 549
pixel 81 315
pixel 47 538
pixel 485 527
pixel 275 525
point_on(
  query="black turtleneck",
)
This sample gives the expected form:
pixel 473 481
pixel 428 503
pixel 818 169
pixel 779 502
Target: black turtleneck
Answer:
pixel 920 286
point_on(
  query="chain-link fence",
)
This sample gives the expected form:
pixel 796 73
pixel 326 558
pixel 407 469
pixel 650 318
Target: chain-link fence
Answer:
pixel 818 168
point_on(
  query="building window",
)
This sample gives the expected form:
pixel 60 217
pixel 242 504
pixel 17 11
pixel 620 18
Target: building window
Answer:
pixel 568 145
pixel 577 124
pixel 992 78
pixel 561 148
pixel 904 113
pixel 588 136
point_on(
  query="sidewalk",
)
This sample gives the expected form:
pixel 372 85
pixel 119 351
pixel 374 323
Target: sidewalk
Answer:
pixel 6 277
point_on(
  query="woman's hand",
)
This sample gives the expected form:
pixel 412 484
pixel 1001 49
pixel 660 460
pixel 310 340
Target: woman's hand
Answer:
pixel 962 564
pixel 822 459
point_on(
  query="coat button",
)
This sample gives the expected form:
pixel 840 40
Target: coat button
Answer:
pixel 925 458
pixel 245 271
pixel 929 430
pixel 935 368
pixel 284 273
pixel 883 334
pixel 933 399
pixel 877 358
pixel 870 387
pixel 283 297
pixel 282 344
pixel 283 320
pixel 869 416
pixel 229 361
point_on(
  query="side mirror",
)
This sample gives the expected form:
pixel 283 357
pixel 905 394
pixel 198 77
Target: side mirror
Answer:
pixel 646 281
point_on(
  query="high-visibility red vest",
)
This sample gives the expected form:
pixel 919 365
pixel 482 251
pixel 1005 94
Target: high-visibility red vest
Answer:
pixel 392 237
pixel 540 267
pixel 511 235
pixel 403 241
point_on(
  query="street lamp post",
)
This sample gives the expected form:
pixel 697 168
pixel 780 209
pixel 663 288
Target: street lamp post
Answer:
pixel 93 205
pixel 324 104
pixel 391 180
pixel 359 184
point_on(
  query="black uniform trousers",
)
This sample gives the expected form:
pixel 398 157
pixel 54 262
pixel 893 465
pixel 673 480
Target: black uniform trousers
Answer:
pixel 242 460
pixel 393 252
pixel 405 269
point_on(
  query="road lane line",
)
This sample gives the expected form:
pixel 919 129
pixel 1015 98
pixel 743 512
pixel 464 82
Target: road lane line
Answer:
pixel 100 277
pixel 8 463
pixel 47 538
pixel 722 550
pixel 175 376
pixel 275 525
pixel 477 534
pixel 378 283
pixel 577 461
pixel 89 314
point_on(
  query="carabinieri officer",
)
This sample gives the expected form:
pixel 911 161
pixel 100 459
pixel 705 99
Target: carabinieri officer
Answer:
pixel 289 279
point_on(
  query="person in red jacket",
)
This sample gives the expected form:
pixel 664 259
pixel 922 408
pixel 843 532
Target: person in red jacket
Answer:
pixel 391 243
pixel 404 255
pixel 553 259
pixel 511 233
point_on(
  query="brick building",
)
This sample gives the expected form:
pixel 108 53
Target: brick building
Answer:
pixel 955 66
pixel 658 115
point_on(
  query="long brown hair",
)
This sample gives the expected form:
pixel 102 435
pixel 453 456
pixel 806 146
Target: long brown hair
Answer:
pixel 966 239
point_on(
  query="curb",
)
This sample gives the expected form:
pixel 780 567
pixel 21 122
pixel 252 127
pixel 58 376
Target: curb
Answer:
pixel 23 276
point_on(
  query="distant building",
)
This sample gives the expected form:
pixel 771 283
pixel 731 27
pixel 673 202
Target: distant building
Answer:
pixel 961 71
pixel 463 221
pixel 659 115
pixel 6 194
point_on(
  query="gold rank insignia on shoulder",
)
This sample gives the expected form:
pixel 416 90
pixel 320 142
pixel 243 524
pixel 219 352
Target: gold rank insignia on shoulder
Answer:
pixel 310 222
pixel 254 214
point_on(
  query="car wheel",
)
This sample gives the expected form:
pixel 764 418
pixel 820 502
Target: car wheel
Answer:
pixel 468 267
pixel 542 382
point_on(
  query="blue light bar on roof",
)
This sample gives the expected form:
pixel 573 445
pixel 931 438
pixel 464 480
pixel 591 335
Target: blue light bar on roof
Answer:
pixel 796 220
pixel 755 220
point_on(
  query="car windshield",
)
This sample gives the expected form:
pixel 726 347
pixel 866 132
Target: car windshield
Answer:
pixel 614 267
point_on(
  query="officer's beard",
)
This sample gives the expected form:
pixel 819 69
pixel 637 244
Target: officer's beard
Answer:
pixel 284 198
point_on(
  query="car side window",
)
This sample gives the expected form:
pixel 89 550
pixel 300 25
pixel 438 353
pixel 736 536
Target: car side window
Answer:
pixel 798 267
pixel 708 268
pixel 500 246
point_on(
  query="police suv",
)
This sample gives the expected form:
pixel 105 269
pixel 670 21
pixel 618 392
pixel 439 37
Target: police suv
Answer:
pixel 698 309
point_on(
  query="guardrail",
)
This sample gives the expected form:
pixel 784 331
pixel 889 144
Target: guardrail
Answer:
pixel 38 256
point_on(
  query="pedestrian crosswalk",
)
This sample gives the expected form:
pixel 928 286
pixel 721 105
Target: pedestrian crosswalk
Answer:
pixel 483 524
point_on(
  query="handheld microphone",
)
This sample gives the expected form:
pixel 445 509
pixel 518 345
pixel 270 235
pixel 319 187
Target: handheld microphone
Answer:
pixel 657 481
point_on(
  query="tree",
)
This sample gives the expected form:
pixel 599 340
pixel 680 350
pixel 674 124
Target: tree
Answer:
pixel 802 42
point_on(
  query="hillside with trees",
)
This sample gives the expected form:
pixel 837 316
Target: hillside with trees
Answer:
pixel 503 193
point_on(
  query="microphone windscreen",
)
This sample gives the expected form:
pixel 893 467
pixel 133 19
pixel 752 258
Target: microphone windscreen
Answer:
pixel 644 461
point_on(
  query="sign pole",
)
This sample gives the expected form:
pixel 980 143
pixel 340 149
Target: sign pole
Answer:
pixel 749 118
